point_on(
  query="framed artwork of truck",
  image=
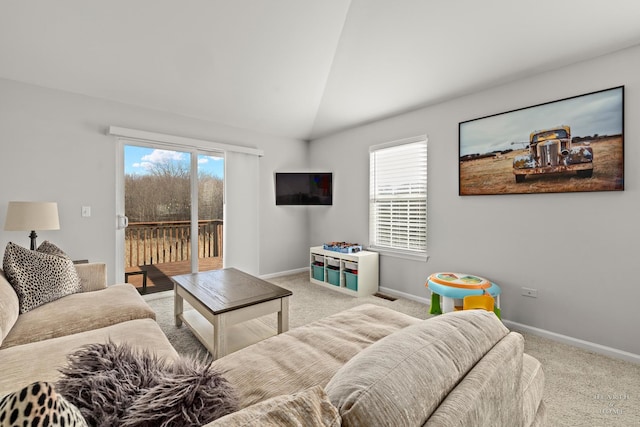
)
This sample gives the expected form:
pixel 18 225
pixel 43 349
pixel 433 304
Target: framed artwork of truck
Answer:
pixel 569 145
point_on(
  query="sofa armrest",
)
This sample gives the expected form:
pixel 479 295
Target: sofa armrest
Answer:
pixel 490 395
pixel 403 378
pixel 93 276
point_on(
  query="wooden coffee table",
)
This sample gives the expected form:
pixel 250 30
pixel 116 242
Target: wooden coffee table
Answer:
pixel 222 298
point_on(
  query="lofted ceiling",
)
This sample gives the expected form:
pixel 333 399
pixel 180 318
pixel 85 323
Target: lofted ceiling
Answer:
pixel 299 68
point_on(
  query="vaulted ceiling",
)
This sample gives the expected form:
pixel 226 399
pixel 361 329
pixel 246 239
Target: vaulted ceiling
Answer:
pixel 299 68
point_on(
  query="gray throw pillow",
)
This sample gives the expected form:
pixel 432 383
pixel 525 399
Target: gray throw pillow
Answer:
pixel 405 376
pixel 39 276
pixel 115 384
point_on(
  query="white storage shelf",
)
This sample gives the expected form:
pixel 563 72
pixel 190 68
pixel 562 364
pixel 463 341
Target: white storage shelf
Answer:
pixel 365 262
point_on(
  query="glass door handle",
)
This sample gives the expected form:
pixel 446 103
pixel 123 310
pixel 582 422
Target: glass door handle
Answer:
pixel 123 222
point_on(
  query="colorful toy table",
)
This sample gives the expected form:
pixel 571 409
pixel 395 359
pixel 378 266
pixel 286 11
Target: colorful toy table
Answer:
pixel 456 286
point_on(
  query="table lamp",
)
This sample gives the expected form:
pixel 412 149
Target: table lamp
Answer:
pixel 25 216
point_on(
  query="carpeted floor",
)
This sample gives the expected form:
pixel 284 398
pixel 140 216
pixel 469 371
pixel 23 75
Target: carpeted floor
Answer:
pixel 582 389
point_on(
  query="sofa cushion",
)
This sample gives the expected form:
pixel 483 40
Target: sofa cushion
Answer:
pixel 9 307
pixel 309 408
pixel 40 361
pixel 308 355
pixel 39 276
pixel 79 312
pixel 39 404
pixel 402 378
pixel 115 384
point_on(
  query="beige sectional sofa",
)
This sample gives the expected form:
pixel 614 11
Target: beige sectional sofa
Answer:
pixel 365 366
pixel 35 344
pixel 374 366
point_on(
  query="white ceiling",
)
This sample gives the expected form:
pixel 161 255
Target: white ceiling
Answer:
pixel 299 68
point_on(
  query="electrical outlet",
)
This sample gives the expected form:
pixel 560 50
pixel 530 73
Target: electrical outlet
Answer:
pixel 528 292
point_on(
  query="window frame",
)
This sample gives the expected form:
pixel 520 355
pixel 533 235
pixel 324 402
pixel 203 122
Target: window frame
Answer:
pixel 413 254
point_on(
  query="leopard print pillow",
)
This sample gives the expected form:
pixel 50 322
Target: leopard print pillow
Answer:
pixel 47 247
pixel 39 276
pixel 38 404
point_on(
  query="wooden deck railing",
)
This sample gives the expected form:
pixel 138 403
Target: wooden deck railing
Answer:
pixel 149 243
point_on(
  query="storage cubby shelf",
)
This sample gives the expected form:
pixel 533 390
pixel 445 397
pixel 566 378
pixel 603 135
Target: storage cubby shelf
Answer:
pixel 365 262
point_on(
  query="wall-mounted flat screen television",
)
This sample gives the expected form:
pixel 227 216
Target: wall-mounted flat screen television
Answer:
pixel 304 188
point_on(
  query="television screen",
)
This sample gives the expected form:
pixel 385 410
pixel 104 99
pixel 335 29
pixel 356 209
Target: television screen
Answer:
pixel 304 188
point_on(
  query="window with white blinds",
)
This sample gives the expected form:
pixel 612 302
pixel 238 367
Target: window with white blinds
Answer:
pixel 398 196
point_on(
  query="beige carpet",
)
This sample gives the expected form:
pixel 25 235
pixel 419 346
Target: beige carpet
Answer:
pixel 582 389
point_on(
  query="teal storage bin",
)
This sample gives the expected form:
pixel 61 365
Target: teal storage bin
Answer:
pixel 333 276
pixel 352 280
pixel 318 272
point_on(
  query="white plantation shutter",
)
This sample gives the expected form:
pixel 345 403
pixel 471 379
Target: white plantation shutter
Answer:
pixel 398 196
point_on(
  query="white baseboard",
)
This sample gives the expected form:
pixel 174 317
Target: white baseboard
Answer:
pixel 585 345
pixel 394 293
pixel 575 342
pixel 284 273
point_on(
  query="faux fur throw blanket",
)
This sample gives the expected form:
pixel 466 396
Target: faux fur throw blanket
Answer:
pixel 116 385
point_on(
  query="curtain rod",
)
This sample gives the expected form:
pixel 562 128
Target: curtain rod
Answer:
pixel 142 135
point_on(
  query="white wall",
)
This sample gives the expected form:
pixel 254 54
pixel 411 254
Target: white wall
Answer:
pixel 585 273
pixel 54 147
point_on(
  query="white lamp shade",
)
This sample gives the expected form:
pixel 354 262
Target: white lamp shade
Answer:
pixel 25 216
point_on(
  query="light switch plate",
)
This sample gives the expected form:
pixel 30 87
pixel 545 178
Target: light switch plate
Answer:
pixel 86 211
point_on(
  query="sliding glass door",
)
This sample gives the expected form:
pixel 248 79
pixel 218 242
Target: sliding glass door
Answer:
pixel 173 213
pixel 210 211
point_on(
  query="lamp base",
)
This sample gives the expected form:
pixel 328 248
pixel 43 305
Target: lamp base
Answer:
pixel 33 236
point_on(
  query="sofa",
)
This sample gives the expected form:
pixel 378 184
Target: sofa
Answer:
pixel 33 345
pixel 365 366
pixel 373 366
